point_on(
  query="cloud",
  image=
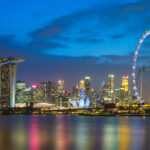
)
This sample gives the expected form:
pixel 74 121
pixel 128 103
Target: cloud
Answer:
pixel 88 40
pixel 117 36
pixel 10 43
pixel 116 59
pixel 45 45
pixel 135 7
pixel 5 39
pixel 46 33
pixel 97 19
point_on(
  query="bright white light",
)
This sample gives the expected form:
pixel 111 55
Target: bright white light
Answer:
pixel 133 67
pixel 133 74
pixel 87 103
pixel 81 103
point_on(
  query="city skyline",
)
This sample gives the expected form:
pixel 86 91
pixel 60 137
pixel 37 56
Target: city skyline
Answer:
pixel 61 48
pixel 65 49
pixel 74 74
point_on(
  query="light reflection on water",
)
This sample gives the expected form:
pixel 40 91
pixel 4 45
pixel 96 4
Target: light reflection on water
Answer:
pixel 64 132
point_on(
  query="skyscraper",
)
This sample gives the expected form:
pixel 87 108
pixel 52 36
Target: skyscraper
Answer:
pixel 93 98
pixel 82 84
pixel 20 85
pixel 59 96
pixel 43 88
pixel 20 88
pixel 124 91
pixel 125 83
pixel 51 92
pixel 60 87
pixel 87 87
pixel 104 94
pixel 8 71
pixel 23 94
pixel 75 91
pixel 111 85
pixel 37 94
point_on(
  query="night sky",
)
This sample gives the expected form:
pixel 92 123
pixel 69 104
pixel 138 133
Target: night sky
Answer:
pixel 71 39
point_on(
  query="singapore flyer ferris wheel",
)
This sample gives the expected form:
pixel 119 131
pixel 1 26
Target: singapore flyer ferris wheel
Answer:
pixel 134 66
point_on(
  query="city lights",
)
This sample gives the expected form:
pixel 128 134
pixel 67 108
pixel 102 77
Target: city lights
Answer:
pixel 83 83
pixel 34 86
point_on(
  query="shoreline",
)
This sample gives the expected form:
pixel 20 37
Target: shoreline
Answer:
pixel 107 114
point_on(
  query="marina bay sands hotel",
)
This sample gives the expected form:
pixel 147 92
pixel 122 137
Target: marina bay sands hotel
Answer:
pixel 8 71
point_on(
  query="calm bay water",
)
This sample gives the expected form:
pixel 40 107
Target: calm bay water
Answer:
pixel 71 132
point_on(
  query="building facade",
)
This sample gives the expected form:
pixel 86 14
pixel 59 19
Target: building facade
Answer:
pixel 8 71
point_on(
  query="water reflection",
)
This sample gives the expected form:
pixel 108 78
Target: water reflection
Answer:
pixel 110 134
pixel 34 137
pixel 124 135
pixel 65 132
pixel 62 139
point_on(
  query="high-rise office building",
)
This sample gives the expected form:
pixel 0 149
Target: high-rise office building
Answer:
pixel 23 94
pixel 60 87
pixel 20 95
pixel 93 98
pixel 124 91
pixel 104 94
pixel 37 94
pixel 20 85
pixel 75 91
pixel 125 83
pixel 87 87
pixel 43 88
pixel 59 95
pixel 82 84
pixel 117 96
pixel 8 71
pixel 51 92
pixel 45 92
pixel 111 85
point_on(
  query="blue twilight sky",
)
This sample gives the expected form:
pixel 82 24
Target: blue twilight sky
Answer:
pixel 69 39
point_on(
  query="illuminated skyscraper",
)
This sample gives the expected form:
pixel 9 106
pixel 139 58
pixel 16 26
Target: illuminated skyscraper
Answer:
pixel 20 85
pixel 82 84
pixel 104 94
pixel 45 92
pixel 51 92
pixel 60 87
pixel 43 88
pixel 37 94
pixel 124 91
pixel 8 71
pixel 23 94
pixel 75 91
pixel 111 84
pixel 125 83
pixel 59 96
pixel 93 98
pixel 87 87
pixel 117 96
